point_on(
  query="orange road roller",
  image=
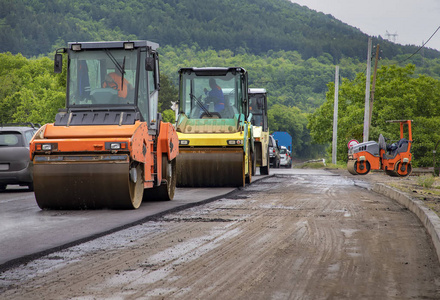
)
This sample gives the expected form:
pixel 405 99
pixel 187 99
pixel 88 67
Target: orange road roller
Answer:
pixel 108 148
pixel 394 159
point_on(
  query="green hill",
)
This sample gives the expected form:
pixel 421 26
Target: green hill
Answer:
pixel 33 27
pixel 288 49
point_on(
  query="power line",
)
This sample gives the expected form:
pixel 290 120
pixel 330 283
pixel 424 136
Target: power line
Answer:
pixel 420 46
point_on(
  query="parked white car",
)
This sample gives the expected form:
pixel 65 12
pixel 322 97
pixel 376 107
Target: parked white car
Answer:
pixel 286 159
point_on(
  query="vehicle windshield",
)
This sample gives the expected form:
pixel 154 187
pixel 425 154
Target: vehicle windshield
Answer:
pixel 11 139
pixel 256 106
pixel 103 77
pixel 210 96
pixel 283 151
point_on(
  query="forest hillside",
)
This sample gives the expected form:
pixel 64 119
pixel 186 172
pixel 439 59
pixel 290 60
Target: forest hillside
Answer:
pixel 288 49
pixel 33 27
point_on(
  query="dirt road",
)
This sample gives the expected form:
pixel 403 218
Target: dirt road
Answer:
pixel 285 237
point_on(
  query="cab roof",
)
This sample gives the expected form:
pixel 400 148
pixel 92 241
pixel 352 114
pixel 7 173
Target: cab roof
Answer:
pixel 114 44
pixel 213 71
pixel 257 91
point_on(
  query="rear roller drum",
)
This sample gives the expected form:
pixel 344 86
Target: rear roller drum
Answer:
pixel 136 189
pixel 164 192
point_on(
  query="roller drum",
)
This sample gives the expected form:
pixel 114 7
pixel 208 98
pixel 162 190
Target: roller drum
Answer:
pixel 351 166
pixel 210 167
pixel 86 185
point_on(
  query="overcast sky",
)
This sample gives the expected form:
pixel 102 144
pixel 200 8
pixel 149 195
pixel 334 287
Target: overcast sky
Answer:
pixel 408 21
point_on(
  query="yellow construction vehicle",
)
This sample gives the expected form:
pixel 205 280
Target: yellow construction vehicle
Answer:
pixel 258 108
pixel 109 147
pixel 215 134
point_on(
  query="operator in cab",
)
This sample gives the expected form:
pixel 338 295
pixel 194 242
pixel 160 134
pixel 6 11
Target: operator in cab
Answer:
pixel 114 80
pixel 215 95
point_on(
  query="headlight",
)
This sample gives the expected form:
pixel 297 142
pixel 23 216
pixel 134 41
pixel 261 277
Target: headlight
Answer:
pixel 129 46
pixel 76 47
pixel 46 147
pixel 115 145
pixel 183 142
pixel 235 142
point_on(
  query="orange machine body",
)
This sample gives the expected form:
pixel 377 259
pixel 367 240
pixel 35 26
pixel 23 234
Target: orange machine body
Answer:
pixel 394 159
pixel 133 139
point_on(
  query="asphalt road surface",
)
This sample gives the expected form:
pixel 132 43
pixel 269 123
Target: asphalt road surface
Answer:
pixel 26 230
pixel 296 235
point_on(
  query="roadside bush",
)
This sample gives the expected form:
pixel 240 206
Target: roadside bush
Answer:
pixel 426 180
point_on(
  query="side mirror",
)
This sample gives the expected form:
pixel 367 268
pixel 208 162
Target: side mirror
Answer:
pixel 58 63
pixel 149 64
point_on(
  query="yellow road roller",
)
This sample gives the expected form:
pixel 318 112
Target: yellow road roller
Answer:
pixel 258 108
pixel 216 146
pixel 108 148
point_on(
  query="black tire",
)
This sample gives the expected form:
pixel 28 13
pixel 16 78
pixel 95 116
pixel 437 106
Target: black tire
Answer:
pixel 3 187
pixel 265 170
pixel 254 164
pixel 250 170
pixel 164 192
pixel 360 168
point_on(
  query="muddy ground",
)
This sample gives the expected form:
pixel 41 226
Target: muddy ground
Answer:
pixel 316 236
pixel 420 185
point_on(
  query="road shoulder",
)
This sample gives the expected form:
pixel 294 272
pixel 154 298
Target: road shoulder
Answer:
pixel 399 190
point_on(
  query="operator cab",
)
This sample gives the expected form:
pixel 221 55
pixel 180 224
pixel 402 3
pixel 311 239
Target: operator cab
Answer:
pixel 217 93
pixel 110 83
pixel 258 107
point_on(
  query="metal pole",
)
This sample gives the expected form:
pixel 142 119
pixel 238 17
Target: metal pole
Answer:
pixel 433 154
pixel 367 94
pixel 373 87
pixel 335 117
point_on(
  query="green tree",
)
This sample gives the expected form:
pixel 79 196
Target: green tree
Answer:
pixel 399 95
pixel 30 91
pixel 291 120
pixel 168 93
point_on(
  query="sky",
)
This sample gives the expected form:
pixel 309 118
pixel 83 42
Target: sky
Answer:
pixel 407 22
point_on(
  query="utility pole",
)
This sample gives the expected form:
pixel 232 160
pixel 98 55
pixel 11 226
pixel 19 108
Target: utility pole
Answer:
pixel 367 94
pixel 335 117
pixel 373 88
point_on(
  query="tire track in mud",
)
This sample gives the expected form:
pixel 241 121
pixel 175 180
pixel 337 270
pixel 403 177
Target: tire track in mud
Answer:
pixel 282 238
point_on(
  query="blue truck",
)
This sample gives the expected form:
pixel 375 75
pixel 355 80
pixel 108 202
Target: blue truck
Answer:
pixel 284 139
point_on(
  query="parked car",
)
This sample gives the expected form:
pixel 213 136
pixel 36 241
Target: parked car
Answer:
pixel 15 164
pixel 274 152
pixel 286 159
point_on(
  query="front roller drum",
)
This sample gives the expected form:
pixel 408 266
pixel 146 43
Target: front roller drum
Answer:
pixel 88 185
pixel 351 166
pixel 358 167
pixel 210 167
